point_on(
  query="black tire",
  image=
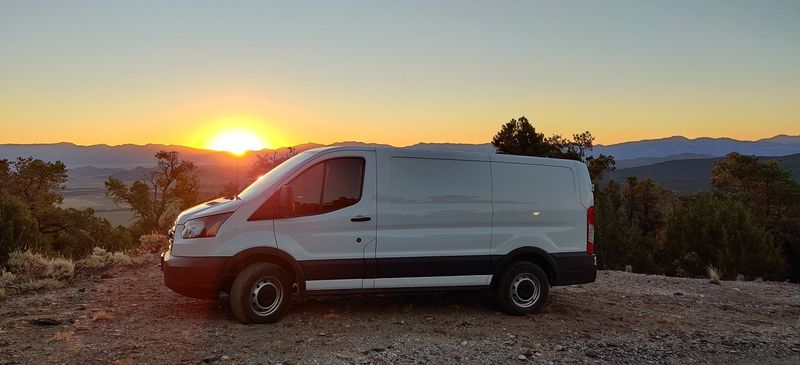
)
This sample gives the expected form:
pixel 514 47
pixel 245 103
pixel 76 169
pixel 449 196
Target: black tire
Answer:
pixel 260 293
pixel 522 289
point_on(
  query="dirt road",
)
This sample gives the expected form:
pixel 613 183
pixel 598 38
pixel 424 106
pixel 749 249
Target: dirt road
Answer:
pixel 130 318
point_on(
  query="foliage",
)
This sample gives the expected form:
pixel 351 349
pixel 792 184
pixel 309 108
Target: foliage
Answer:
pixel 152 243
pixel 18 228
pixel 61 268
pixel 28 263
pixel 721 232
pixel 35 265
pixel 33 181
pixel 156 199
pixel 268 161
pixel 101 259
pixel 627 225
pixel 519 137
pixel 75 232
pixel 771 195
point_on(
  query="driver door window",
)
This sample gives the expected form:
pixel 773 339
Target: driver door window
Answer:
pixel 328 186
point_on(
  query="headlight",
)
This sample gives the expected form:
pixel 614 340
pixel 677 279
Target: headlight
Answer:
pixel 204 226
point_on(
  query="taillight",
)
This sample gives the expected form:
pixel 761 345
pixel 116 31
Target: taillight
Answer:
pixel 590 230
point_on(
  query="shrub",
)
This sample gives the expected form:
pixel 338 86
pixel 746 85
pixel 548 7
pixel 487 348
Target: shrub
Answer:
pixel 713 274
pixel 121 259
pixel 152 243
pixel 61 269
pixel 99 259
pixel 27 263
pixel 6 278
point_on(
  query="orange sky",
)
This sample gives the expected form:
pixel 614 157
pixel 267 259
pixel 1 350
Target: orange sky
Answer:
pixel 181 73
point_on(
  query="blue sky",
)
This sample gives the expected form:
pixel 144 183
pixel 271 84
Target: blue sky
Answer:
pixel 395 72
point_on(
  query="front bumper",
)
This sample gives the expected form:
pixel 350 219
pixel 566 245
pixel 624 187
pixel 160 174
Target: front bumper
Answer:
pixel 196 277
pixel 575 268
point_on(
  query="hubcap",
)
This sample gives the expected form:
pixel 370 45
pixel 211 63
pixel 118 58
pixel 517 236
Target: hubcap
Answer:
pixel 525 290
pixel 265 296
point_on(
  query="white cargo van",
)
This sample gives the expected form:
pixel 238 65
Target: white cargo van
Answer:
pixel 353 219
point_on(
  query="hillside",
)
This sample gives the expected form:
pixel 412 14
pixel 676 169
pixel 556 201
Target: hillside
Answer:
pixel 691 175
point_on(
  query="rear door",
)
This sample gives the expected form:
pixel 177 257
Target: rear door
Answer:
pixel 334 219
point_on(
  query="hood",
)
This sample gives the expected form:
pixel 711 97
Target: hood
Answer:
pixel 217 206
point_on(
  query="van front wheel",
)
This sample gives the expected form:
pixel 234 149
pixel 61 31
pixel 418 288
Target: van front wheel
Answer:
pixel 260 293
pixel 522 289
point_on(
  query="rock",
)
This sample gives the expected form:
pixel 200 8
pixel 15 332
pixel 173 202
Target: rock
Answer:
pixel 522 357
pixel 678 293
pixel 378 349
pixel 106 276
pixel 45 322
pixel 591 354
pixel 463 343
pixel 559 348
pixel 211 359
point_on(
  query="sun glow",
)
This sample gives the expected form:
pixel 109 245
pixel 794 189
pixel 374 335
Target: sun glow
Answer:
pixel 237 142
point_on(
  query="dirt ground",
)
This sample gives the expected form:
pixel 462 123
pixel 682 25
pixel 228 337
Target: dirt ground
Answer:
pixel 129 317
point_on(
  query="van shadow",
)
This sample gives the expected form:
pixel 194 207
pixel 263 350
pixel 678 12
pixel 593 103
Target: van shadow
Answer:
pixel 382 305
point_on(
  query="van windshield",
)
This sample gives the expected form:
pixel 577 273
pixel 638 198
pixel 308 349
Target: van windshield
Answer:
pixel 265 180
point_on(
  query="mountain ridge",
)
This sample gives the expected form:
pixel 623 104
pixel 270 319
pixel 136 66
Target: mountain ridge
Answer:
pixel 644 151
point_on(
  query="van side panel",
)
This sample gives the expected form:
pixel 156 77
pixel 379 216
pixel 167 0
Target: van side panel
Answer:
pixel 537 205
pixel 436 211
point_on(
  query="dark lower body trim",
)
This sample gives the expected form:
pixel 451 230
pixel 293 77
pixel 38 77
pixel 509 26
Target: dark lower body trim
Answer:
pixel 196 277
pixel 575 268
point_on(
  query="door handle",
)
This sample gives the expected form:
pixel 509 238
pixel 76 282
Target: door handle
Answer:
pixel 360 218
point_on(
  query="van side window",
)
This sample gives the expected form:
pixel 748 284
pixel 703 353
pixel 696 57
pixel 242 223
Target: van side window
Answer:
pixel 328 186
pixel 343 180
pixel 307 190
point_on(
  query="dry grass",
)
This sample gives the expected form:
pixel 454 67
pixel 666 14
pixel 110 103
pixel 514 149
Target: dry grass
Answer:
pixel 63 336
pixel 101 316
pixel 713 275
pixel 40 284
pixel 27 263
pixel 6 278
pixel 61 269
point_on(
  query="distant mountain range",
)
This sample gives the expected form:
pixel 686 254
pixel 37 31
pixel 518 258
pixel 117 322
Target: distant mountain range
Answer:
pixel 780 145
pixel 627 154
pixel 678 163
pixel 691 175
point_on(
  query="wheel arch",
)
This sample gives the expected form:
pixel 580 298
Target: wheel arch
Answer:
pixel 262 254
pixel 532 254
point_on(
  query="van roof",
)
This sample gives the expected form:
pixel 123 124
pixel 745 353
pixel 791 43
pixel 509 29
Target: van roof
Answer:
pixel 448 154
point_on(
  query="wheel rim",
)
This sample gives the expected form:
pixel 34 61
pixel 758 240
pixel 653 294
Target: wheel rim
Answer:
pixel 525 290
pixel 266 296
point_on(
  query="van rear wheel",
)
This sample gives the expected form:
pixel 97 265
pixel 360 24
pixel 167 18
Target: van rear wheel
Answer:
pixel 522 289
pixel 260 293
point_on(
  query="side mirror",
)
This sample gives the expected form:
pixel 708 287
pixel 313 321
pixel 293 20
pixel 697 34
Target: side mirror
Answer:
pixel 285 206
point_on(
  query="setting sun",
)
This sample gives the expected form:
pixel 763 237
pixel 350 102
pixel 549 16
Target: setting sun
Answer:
pixel 237 142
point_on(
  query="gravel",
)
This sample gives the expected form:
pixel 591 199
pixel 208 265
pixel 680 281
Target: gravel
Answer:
pixel 622 318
